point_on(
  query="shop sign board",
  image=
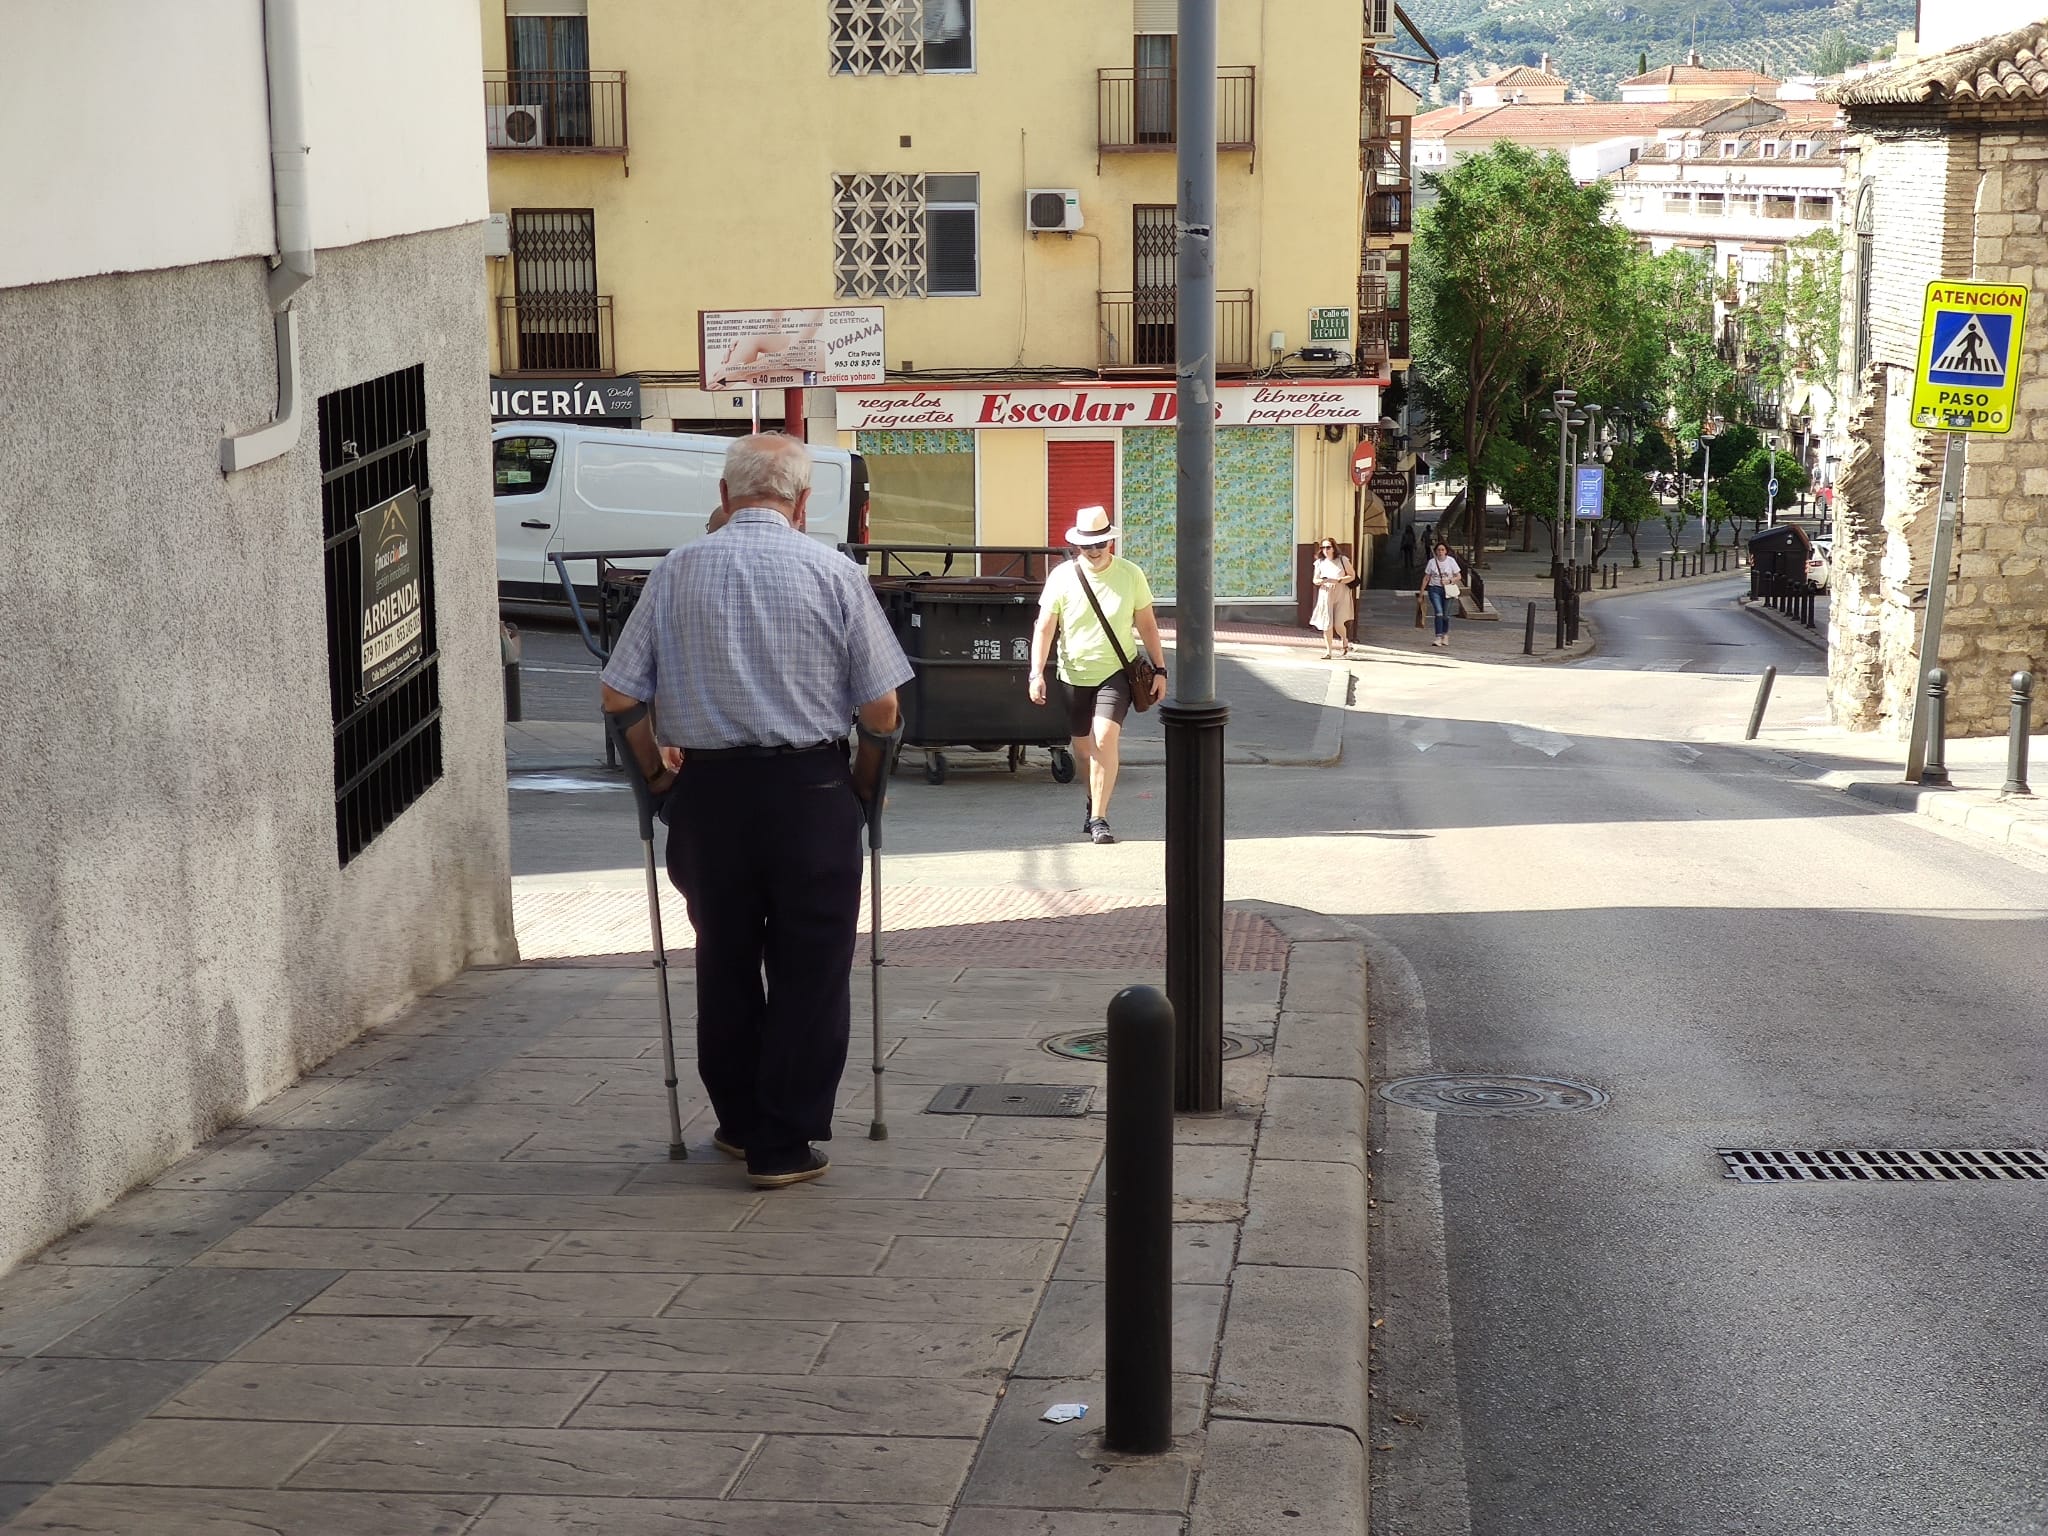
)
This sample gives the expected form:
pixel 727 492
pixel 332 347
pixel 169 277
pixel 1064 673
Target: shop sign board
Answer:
pixel 393 636
pixel 1970 336
pixel 565 399
pixel 995 406
pixel 1391 486
pixel 790 348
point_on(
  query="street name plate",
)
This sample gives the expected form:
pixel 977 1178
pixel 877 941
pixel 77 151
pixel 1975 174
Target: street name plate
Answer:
pixel 1970 336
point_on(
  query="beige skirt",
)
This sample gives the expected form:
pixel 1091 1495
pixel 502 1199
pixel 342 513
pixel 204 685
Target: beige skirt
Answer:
pixel 1334 605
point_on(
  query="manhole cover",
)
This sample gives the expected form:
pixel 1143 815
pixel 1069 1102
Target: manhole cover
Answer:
pixel 1010 1099
pixel 1459 1094
pixel 1891 1165
pixel 1093 1045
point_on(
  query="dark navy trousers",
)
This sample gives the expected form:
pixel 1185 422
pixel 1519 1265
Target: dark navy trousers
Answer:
pixel 766 851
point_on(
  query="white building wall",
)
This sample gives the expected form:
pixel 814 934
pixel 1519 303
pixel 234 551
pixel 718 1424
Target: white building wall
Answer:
pixel 1946 24
pixel 150 129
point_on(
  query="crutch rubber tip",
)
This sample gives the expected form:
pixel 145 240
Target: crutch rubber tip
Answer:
pixel 878 1132
pixel 678 1153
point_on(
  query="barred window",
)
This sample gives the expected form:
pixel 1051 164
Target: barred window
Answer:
pixel 902 37
pixel 383 664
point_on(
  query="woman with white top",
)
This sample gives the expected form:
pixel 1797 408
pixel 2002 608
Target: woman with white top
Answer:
pixel 1335 605
pixel 1440 580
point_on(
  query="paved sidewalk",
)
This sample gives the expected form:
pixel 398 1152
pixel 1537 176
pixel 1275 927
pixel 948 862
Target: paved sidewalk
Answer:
pixel 450 1283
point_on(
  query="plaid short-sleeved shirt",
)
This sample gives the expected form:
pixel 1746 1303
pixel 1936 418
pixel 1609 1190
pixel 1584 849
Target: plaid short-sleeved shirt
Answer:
pixel 756 635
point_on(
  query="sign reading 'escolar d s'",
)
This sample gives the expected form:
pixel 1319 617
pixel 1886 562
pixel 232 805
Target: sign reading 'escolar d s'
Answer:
pixel 1969 356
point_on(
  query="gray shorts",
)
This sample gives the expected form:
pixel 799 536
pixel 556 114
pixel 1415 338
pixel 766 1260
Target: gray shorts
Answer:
pixel 1109 699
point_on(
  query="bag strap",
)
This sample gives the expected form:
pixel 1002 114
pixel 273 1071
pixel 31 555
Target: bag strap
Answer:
pixel 1095 602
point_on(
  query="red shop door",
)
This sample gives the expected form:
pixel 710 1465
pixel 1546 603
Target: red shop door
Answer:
pixel 1077 474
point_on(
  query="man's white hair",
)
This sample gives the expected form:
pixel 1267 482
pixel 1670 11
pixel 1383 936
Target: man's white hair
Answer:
pixel 767 464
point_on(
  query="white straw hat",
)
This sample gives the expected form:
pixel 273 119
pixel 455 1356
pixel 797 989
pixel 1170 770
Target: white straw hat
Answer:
pixel 1092 525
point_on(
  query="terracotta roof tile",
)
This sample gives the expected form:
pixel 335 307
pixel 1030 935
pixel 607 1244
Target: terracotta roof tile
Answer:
pixel 1694 74
pixel 1522 74
pixel 2009 67
pixel 1583 120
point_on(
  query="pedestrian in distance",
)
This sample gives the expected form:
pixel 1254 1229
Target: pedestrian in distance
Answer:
pixel 1408 550
pixel 1098 606
pixel 1440 583
pixel 1336 606
pixel 757 646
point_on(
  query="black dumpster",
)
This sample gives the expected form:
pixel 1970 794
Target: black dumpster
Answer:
pixel 968 639
pixel 1778 572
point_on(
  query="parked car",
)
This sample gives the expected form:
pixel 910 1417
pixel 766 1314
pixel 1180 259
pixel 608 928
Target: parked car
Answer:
pixel 560 487
pixel 1820 560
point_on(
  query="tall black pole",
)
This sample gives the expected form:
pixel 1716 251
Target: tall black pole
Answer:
pixel 1193 718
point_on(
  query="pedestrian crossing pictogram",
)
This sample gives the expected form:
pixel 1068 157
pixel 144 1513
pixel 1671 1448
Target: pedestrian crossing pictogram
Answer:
pixel 1969 356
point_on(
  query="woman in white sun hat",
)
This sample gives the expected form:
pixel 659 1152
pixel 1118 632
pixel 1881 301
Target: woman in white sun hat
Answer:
pixel 1100 607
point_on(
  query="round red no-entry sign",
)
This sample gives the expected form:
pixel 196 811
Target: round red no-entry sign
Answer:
pixel 1361 464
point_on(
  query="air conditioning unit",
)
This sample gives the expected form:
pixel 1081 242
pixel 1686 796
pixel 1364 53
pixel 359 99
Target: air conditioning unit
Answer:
pixel 1373 264
pixel 515 127
pixel 1052 210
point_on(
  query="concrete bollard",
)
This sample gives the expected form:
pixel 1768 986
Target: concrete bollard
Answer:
pixel 1529 633
pixel 1137 1291
pixel 2016 736
pixel 1935 769
pixel 1763 699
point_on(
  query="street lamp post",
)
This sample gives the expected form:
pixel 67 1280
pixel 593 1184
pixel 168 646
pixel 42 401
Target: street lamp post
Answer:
pixel 1561 407
pixel 1592 417
pixel 1709 430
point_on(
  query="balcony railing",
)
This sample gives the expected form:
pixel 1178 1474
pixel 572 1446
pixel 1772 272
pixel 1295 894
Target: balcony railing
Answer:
pixel 556 333
pixel 1134 108
pixel 1389 212
pixel 562 110
pixel 1137 330
pixel 1382 338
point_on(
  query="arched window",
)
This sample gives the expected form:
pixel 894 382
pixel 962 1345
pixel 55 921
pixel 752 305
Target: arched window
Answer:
pixel 1866 241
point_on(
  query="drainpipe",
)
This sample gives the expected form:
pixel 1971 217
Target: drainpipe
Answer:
pixel 294 264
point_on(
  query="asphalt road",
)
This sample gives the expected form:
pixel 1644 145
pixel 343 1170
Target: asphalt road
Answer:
pixel 1588 1330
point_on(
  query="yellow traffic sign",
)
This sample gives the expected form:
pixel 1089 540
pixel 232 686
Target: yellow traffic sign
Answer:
pixel 1969 356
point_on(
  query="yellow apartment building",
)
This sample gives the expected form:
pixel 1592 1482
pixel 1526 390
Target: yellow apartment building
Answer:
pixel 997 178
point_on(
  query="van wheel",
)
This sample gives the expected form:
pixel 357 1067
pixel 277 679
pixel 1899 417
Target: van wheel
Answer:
pixel 1062 765
pixel 935 767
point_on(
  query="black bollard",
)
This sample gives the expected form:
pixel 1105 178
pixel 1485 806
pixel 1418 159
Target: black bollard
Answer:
pixel 2016 737
pixel 1137 1291
pixel 511 650
pixel 1529 633
pixel 1763 699
pixel 1557 605
pixel 1935 771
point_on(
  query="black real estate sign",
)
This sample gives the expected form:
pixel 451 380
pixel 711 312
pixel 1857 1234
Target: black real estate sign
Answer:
pixel 393 636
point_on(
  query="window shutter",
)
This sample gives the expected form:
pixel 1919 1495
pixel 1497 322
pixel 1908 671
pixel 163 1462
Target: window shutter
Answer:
pixel 1155 16
pixel 1078 473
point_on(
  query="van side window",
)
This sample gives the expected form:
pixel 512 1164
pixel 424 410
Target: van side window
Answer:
pixel 523 465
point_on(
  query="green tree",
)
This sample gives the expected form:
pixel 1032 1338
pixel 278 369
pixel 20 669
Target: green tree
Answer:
pixel 1795 326
pixel 1643 62
pixel 1836 52
pixel 1518 283
pixel 1745 485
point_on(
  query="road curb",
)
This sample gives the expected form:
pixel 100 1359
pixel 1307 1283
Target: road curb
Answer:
pixel 1814 637
pixel 1993 817
pixel 1291 1407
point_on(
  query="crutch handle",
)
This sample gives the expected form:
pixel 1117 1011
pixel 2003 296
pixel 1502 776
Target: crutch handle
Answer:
pixel 643 793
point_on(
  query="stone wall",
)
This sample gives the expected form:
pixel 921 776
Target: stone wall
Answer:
pixel 1951 199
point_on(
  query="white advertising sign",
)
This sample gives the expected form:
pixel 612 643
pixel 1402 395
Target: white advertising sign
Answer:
pixel 789 348
pixel 1271 404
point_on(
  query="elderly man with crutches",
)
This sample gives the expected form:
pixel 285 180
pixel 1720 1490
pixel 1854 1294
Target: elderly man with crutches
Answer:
pixel 756 646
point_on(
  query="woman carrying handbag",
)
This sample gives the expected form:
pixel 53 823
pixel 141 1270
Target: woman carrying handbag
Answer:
pixel 1336 606
pixel 1441 580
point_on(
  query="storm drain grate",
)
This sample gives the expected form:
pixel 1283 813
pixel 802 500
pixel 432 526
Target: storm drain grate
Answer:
pixel 1896 1165
pixel 1010 1099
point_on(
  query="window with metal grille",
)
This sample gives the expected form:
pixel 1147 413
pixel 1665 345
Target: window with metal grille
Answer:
pixel 554 282
pixel 906 237
pixel 1155 284
pixel 383 663
pixel 1866 251
pixel 902 37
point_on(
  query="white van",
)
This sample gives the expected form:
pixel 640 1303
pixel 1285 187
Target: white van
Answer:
pixel 564 488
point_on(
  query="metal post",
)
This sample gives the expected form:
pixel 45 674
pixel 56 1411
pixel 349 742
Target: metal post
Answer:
pixel 2016 737
pixel 1557 602
pixel 1137 1274
pixel 1529 632
pixel 511 649
pixel 1763 699
pixel 1937 594
pixel 1193 719
pixel 1935 769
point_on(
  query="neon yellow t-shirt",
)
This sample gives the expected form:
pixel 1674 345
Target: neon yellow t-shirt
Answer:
pixel 1086 658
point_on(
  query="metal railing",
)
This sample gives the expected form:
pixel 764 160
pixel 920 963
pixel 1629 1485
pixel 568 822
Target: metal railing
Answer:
pixel 556 333
pixel 1390 212
pixel 1137 330
pixel 1134 108
pixel 570 111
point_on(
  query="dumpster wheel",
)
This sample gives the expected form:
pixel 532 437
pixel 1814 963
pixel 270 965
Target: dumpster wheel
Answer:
pixel 1062 765
pixel 935 767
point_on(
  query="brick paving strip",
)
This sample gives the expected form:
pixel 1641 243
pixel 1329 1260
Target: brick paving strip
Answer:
pixel 449 1283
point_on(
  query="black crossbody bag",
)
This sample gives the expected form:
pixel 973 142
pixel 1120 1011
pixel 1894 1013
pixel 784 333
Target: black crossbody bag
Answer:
pixel 1139 669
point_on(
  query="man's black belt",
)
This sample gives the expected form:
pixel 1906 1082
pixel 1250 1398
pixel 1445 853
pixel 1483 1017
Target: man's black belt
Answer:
pixel 713 754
